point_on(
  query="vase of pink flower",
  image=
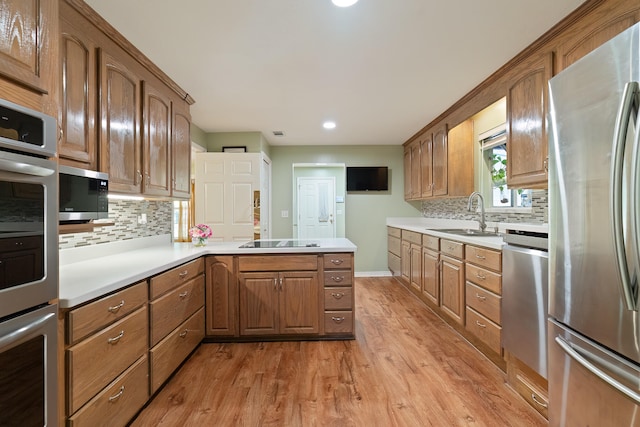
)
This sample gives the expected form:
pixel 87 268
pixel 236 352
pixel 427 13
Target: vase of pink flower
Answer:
pixel 200 234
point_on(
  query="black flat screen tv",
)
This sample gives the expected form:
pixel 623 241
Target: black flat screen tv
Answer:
pixel 367 178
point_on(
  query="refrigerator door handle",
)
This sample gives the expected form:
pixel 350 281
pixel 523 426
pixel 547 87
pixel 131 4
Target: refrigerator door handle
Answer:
pixel 629 101
pixel 582 360
pixel 635 192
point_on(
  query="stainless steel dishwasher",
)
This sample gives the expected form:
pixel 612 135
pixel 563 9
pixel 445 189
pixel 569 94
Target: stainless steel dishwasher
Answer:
pixel 525 262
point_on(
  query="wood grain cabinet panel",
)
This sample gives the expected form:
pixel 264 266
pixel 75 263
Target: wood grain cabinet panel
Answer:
pixel 79 100
pixel 440 162
pixel 483 328
pixel 484 302
pixel 338 278
pixel 452 288
pixel 116 405
pixel 406 162
pixel 298 303
pixel 338 322
pixel 24 41
pixel 168 280
pixel 431 275
pixel 120 139
pixel 221 297
pixel 338 261
pixel 460 170
pixel 338 299
pixel 96 361
pixel 426 165
pixel 487 279
pixel 181 150
pixel 415 170
pixel 156 152
pixel 258 303
pixel 527 106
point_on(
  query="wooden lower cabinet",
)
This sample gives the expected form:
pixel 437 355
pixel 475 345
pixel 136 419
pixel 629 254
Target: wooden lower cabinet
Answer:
pixel 275 303
pixel 528 383
pixel 221 297
pixel 452 288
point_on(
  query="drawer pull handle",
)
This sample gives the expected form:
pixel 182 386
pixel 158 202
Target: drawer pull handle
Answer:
pixel 337 278
pixel 183 274
pixel 481 276
pixel 337 319
pixel 115 339
pixel 115 308
pixel 452 248
pixel 482 325
pixel 481 297
pixel 337 295
pixel 535 399
pixel 336 261
pixel 480 256
pixel 183 295
pixel 117 395
pixel 183 333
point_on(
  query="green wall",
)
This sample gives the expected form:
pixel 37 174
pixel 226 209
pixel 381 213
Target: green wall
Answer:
pixel 365 212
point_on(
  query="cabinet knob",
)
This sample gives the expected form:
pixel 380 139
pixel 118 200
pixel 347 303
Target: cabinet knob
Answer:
pixel 183 295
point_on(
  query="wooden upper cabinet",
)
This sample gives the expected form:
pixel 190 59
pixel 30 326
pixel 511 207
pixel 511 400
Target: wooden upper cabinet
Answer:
pixel 181 151
pixel 25 35
pixel 527 104
pixel 592 32
pixel 407 172
pixel 415 169
pixel 120 147
pixel 426 165
pixel 78 106
pixel 440 161
pixel 460 159
pixel 156 119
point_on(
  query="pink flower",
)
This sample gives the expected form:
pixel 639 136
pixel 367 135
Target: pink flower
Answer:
pixel 201 231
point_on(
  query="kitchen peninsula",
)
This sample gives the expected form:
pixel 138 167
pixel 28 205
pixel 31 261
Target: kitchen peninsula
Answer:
pixel 133 311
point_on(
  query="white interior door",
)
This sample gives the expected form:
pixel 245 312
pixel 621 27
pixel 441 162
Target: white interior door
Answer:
pixel 316 208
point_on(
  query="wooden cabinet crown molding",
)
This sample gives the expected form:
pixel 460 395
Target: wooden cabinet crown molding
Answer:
pixel 92 16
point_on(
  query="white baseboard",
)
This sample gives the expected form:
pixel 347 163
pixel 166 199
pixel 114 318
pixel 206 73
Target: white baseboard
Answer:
pixel 372 273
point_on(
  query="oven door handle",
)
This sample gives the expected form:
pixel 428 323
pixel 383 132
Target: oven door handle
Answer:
pixel 8 340
pixel 25 168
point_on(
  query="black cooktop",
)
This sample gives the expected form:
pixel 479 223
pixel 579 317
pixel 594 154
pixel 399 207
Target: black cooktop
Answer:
pixel 280 244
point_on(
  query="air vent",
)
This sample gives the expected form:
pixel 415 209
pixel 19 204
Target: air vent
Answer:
pixel 278 133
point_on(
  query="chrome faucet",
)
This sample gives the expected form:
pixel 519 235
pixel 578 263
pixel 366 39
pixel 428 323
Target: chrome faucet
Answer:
pixel 483 225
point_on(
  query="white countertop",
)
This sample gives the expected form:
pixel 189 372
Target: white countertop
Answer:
pixel 431 226
pixel 87 273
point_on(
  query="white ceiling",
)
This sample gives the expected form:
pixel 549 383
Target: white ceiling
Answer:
pixel 381 69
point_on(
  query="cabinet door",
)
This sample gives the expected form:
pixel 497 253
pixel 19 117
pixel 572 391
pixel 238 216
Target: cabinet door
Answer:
pixel 119 135
pixel 460 159
pixel 78 106
pixel 416 267
pixel 156 154
pixel 181 151
pixel 407 172
pixel 452 288
pixel 431 276
pixel 440 162
pixel 24 41
pixel 426 166
pixel 221 318
pixel 527 100
pixel 405 261
pixel 415 170
pixel 298 302
pixel 258 303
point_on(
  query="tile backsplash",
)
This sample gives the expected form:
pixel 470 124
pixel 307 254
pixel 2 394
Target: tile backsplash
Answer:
pixel 456 208
pixel 125 215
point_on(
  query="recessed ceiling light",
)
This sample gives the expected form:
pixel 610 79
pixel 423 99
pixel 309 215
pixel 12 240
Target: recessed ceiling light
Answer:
pixel 344 3
pixel 329 125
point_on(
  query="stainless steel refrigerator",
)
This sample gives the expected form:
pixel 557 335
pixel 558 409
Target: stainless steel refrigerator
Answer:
pixel 594 232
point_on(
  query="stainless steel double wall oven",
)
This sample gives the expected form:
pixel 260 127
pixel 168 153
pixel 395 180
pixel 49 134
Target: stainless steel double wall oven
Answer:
pixel 28 267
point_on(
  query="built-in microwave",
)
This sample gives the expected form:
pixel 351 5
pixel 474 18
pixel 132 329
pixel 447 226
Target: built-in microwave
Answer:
pixel 83 195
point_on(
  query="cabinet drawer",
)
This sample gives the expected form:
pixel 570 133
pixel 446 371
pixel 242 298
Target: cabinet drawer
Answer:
pixel 431 242
pixel 485 329
pixel 484 302
pixel 98 314
pixel 338 322
pixel 173 308
pixel 395 232
pixel 412 236
pixel 484 278
pixel 338 299
pixel 536 396
pixel 451 248
pixel 96 361
pixel 394 263
pixel 341 261
pixel 484 257
pixel 393 245
pixel 118 402
pixel 278 263
pixel 176 276
pixel 338 278
pixel 174 349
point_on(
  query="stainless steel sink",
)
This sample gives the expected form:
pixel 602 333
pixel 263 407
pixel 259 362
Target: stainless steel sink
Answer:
pixel 466 232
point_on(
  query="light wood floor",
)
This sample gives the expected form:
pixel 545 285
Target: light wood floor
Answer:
pixel 405 368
